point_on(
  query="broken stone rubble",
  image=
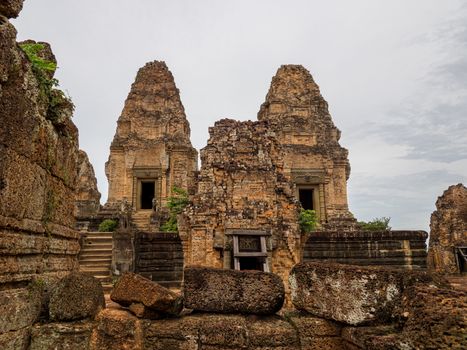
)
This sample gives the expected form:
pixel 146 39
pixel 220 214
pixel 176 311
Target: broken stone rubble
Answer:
pixel 139 293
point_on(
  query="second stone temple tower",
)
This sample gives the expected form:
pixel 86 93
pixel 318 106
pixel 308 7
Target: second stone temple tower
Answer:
pixel 313 158
pixel 151 151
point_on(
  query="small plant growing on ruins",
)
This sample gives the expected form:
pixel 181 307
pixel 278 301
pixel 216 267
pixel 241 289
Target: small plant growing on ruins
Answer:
pixel 308 220
pixel 177 202
pixel 377 224
pixel 108 225
pixel 56 99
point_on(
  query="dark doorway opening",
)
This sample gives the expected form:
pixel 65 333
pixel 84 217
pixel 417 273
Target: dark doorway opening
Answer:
pixel 461 257
pixel 250 263
pixel 147 194
pixel 306 198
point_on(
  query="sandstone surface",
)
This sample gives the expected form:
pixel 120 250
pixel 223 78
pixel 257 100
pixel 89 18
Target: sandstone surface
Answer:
pixel 313 157
pixel 151 146
pixel 352 294
pixel 64 336
pixel 76 296
pixel 38 153
pixel 132 288
pixel 87 200
pixel 242 188
pixel 116 329
pixel 230 291
pixel 434 318
pixel 448 230
pixel 11 8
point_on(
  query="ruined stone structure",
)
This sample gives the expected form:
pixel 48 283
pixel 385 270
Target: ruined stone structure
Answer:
pixel 448 232
pixel 255 177
pixel 151 151
pixel 38 174
pixel 334 307
pixel 87 201
pixel 313 158
pixel 244 214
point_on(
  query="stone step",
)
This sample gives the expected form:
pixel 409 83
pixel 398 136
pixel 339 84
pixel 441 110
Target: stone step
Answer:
pixel 97 245
pixel 96 262
pixel 96 271
pixel 98 239
pixel 98 234
pixel 95 252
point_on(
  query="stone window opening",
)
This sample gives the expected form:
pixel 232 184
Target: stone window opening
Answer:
pixel 147 194
pixel 249 251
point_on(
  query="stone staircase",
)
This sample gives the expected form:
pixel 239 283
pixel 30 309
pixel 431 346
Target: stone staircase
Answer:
pixel 141 219
pixel 95 257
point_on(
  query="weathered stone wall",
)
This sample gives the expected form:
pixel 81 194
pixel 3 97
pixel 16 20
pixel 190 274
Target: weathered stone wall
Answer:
pixel 403 249
pixel 159 257
pixel 312 155
pixel 342 307
pixel 242 186
pixel 38 157
pixel 87 200
pixel 448 229
pixel 152 140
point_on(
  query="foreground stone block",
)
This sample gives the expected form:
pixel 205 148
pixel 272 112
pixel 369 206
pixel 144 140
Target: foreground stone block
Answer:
pixel 132 289
pixel 315 333
pixel 266 332
pixel 15 340
pixel 377 337
pixel 63 336
pixel 217 331
pixel 435 318
pixel 116 329
pixel 19 308
pixel 351 294
pixel 231 291
pixel 74 297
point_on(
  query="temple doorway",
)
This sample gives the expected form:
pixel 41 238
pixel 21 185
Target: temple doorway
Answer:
pixel 147 194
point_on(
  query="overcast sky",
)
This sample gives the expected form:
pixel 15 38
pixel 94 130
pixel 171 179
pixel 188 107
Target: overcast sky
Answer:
pixel 394 74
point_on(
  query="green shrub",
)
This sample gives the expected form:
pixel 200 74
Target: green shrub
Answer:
pixel 377 224
pixel 108 225
pixel 177 202
pixel 308 220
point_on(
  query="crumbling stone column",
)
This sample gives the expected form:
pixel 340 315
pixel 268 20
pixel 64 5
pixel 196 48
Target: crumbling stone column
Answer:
pixel 448 230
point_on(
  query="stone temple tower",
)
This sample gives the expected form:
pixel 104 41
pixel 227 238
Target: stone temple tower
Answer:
pixel 315 161
pixel 151 151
